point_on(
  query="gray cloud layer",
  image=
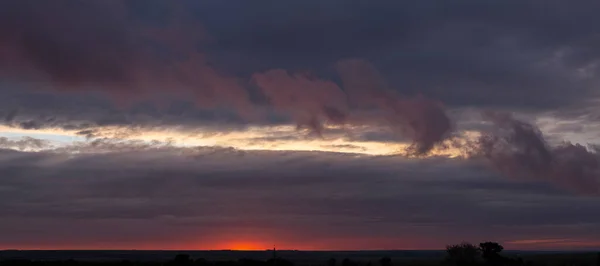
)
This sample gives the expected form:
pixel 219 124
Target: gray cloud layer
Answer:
pixel 518 54
pixel 512 54
pixel 164 195
pixel 525 54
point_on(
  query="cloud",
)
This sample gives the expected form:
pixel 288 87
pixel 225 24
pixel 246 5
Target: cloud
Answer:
pixel 515 148
pixel 97 49
pixel 424 120
pixel 25 143
pixel 273 138
pixel 307 98
pixel 556 243
pixel 21 107
pixel 464 53
pixel 182 49
pixel 519 150
pixel 161 197
pixel 109 49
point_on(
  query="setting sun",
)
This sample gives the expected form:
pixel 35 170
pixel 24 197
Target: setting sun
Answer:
pixel 247 246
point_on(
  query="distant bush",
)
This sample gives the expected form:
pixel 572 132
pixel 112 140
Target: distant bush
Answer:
pixel 385 261
pixel 462 254
pixel 331 262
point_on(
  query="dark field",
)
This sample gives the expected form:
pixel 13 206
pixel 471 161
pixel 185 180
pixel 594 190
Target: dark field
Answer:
pixel 286 258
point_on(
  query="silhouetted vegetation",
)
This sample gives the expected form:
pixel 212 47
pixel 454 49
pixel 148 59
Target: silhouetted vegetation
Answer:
pixel 490 252
pixel 348 262
pixel 331 262
pixel 385 261
pixel 463 254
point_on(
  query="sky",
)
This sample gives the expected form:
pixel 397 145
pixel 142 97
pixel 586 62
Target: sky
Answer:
pixel 316 125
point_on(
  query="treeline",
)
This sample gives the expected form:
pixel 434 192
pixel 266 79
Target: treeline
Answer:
pixel 463 254
pixel 490 253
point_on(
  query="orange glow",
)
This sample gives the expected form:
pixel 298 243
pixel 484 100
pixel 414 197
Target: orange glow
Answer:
pixel 350 243
pixel 246 246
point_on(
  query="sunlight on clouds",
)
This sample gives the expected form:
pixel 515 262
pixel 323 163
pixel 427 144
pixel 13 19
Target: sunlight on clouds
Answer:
pixel 55 136
pixel 275 138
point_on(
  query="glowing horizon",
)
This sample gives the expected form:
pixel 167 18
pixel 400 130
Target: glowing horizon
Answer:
pixel 530 245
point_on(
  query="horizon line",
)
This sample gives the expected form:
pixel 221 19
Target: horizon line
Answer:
pixel 297 250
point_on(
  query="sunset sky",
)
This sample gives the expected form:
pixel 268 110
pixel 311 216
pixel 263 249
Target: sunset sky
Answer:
pixel 316 125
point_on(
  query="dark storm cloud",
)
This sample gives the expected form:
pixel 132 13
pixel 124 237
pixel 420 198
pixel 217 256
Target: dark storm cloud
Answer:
pixel 100 45
pixel 36 110
pixel 74 42
pixel 519 150
pixel 305 97
pixel 526 54
pixel 425 121
pixel 203 191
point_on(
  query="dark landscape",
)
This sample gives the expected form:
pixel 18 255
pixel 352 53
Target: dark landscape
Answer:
pixel 462 254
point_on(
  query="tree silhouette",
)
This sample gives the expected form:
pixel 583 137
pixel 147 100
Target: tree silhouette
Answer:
pixel 279 262
pixel 385 261
pixel 347 262
pixel 331 262
pixel 182 259
pixel 201 262
pixel 490 252
pixel 462 254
